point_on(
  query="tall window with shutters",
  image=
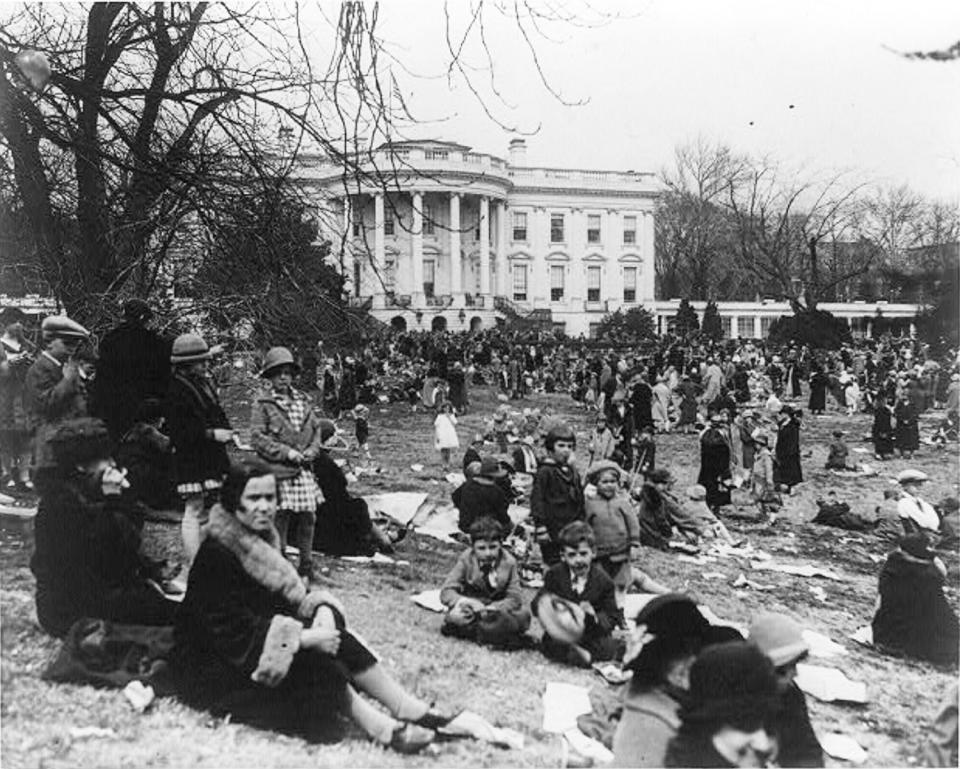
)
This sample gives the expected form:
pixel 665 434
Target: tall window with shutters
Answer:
pixel 629 230
pixel 556 228
pixel 429 276
pixel 557 280
pixel 520 226
pixel 593 283
pixel 629 284
pixel 428 224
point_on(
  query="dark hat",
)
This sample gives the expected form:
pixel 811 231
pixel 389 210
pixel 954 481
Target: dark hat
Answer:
pixel 560 432
pixel 276 357
pixel 328 428
pixel 916 545
pixel 490 468
pixel 661 476
pixel 61 327
pixel 188 348
pixel 673 614
pixel 731 683
pixel 838 433
pixel 81 440
pixel 137 309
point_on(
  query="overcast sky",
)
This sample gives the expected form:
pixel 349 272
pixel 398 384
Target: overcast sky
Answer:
pixel 668 70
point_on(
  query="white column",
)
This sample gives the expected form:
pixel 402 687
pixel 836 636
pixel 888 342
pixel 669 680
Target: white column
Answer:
pixel 913 330
pixel 646 278
pixel 456 275
pixel 757 327
pixel 416 254
pixel 485 248
pixel 502 271
pixel 379 237
pixel 734 326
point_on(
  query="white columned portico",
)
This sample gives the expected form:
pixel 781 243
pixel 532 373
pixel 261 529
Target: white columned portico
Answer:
pixel 502 270
pixel 484 246
pixel 734 326
pixel 757 327
pixel 456 275
pixel 416 253
pixel 379 236
pixel 646 289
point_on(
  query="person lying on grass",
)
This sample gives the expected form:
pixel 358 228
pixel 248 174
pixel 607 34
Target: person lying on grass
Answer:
pixel 616 531
pixel 254 643
pixel 482 591
pixel 577 605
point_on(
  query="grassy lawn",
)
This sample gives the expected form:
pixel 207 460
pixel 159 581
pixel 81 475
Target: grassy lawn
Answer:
pixel 504 687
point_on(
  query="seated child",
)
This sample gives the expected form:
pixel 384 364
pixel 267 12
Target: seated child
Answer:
pixel 838 452
pixel 616 531
pixel 645 451
pixel 914 617
pixel 482 591
pixel 577 605
pixel 695 520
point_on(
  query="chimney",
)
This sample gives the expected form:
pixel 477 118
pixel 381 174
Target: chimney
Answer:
pixel 518 152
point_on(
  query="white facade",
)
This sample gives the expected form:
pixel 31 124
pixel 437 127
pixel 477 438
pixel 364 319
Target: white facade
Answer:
pixel 443 232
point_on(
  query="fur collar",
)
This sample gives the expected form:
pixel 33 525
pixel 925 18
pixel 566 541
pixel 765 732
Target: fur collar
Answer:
pixel 260 558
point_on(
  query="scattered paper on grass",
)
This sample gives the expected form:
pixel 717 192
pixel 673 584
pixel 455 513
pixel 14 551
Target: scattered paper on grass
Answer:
pixel 402 506
pixel 562 704
pixel 417 467
pixel 863 635
pixel 821 646
pixel 830 684
pixel 742 581
pixel 843 747
pixel 468 724
pixel 139 695
pixel 713 575
pixel 806 570
pixel 379 558
pixel 440 522
pixel 713 619
pixel 587 746
pixel 430 600
pixel 819 593
pixel 455 478
pixel 92 732
pixel 861 450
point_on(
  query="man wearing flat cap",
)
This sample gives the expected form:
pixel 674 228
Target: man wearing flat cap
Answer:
pixel 55 389
pixel 133 365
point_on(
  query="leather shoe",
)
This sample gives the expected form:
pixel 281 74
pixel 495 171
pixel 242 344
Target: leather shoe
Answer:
pixel 434 719
pixel 408 738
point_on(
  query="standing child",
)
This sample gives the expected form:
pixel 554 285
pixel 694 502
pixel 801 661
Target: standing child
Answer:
pixel 838 452
pixel 762 486
pixel 602 442
pixel 557 497
pixel 445 434
pixel 616 532
pixel 361 426
pixel 482 592
pixel 577 606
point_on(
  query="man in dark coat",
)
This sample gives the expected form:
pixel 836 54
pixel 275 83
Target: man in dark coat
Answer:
pixel 87 559
pixel 641 403
pixel 133 365
pixel 788 471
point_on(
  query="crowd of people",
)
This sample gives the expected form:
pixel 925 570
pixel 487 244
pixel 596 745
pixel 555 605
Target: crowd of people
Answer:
pixel 106 439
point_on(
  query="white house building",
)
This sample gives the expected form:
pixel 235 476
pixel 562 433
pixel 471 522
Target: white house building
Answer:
pixel 431 235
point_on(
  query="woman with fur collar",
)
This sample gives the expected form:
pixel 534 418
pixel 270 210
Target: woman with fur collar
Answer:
pixel 254 643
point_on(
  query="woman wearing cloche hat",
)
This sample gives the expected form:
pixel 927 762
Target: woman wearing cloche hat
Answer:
pixel 285 431
pixel 199 430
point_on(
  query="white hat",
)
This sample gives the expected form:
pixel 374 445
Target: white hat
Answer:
pixel 912 476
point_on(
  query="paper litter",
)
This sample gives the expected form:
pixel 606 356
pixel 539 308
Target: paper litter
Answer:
pixel 380 558
pixel 562 704
pixel 587 746
pixel 430 600
pixel 455 478
pixel 863 635
pixel 819 593
pixel 88 732
pixel 713 575
pixel 821 646
pixel 402 506
pixel 805 570
pixel 843 747
pixel 417 467
pixel 469 724
pixel 830 684
pixel 742 581
pixel 139 695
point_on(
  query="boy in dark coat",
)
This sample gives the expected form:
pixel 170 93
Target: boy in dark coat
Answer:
pixel 482 496
pixel 577 605
pixel 557 496
pixel 482 591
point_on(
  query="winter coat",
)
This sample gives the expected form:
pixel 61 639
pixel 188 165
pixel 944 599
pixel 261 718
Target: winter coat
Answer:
pixel 272 433
pixel 714 466
pixel 467 580
pixel 87 562
pixel 240 622
pixel 556 498
pixel 480 497
pixel 193 412
pixel 654 518
pixel 650 719
pixel 50 400
pixel 343 521
pixel 788 471
pixel 615 526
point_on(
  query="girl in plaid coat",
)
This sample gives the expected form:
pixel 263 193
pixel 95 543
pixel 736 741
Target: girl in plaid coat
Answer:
pixel 286 432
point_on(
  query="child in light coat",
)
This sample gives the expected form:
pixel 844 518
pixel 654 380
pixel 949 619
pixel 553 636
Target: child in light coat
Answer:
pixel 445 433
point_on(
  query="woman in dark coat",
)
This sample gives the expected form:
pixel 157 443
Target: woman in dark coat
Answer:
pixel 715 464
pixel 908 426
pixel 788 471
pixel 641 402
pixel 87 559
pixel 199 430
pixel 818 391
pixel 914 617
pixel 253 643
pixel 882 431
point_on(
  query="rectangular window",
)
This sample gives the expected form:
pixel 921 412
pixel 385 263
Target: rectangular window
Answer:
pixel 427 220
pixel 390 275
pixel 745 327
pixel 593 284
pixel 629 230
pixel 556 228
pixel 557 277
pixel 357 273
pixel 726 324
pixel 594 330
pixel 520 282
pixel 519 225
pixel 388 223
pixel 356 215
pixel 593 228
pixel 765 324
pixel 629 284
pixel 429 274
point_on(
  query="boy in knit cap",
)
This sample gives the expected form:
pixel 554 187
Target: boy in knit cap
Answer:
pixel 781 640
